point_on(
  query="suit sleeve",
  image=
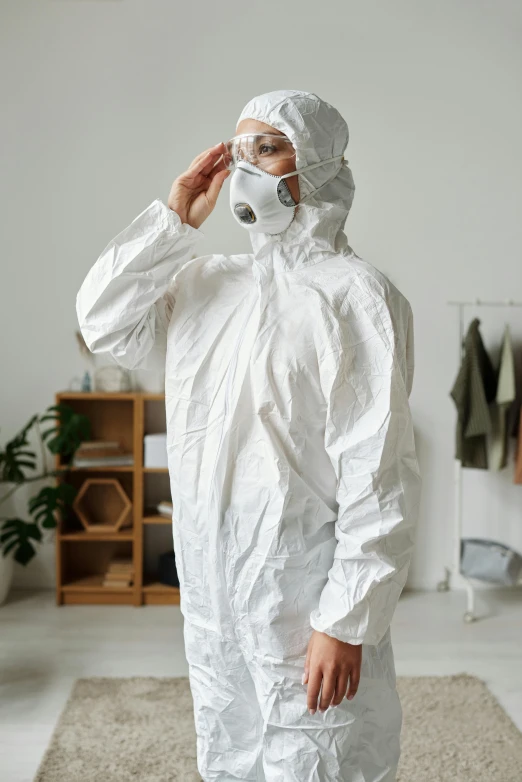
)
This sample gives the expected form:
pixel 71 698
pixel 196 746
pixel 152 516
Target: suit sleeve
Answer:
pixel 370 441
pixel 126 299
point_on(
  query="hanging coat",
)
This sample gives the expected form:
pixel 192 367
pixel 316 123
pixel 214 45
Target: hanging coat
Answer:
pixel 294 477
pixel 473 391
pixel 497 439
pixel 513 416
pixel 518 457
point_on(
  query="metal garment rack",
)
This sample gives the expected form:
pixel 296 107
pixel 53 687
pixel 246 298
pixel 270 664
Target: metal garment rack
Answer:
pixel 444 585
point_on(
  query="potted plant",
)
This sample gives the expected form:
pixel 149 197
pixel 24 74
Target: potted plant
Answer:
pixel 19 467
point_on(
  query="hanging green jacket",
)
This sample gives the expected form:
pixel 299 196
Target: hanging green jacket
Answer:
pixel 473 391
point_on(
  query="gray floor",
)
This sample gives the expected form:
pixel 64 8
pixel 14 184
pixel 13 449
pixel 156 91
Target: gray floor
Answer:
pixel 43 648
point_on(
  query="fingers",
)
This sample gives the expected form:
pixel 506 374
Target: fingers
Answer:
pixel 215 185
pixel 355 674
pixel 340 687
pixel 215 164
pixel 203 163
pixel 219 166
pixel 329 665
pixel 314 685
pixel 307 662
pixel 328 688
pixel 202 154
pixel 206 174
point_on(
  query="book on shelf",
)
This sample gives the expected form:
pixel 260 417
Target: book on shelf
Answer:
pixel 89 445
pixel 119 569
pixel 119 574
pixel 109 528
pixel 95 453
pixel 119 560
pixel 120 565
pixel 106 461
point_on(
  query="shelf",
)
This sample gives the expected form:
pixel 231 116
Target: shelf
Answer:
pixel 100 468
pixel 82 556
pixel 93 584
pixel 106 395
pixel 157 586
pixel 84 535
pixel 116 396
pixel 157 519
pixel 155 593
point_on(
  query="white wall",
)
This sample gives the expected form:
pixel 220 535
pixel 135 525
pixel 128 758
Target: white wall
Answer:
pixel 106 101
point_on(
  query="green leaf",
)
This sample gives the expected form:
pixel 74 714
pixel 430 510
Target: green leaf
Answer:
pixel 49 501
pixel 70 429
pixel 16 456
pixel 18 535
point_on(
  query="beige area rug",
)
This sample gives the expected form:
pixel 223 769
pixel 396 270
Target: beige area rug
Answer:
pixel 141 729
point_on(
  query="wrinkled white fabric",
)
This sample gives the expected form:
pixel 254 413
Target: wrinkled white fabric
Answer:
pixel 294 477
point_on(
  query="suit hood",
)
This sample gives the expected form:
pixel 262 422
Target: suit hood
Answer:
pixel 318 132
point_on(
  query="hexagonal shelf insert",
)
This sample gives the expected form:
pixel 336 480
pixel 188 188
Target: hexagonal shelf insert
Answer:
pixel 102 505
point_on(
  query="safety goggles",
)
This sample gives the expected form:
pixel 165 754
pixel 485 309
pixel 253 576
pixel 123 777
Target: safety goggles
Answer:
pixel 264 150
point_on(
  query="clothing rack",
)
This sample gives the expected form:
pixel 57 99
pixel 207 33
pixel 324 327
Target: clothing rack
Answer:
pixel 444 585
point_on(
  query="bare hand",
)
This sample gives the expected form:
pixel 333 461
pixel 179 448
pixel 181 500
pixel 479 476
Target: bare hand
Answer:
pixel 194 193
pixel 331 662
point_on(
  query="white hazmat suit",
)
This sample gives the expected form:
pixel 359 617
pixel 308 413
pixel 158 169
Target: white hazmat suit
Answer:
pixel 294 477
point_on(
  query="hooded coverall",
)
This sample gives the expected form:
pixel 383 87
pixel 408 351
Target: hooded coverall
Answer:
pixel 293 472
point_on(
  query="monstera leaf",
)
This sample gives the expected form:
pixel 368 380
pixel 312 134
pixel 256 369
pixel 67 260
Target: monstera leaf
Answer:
pixel 49 501
pixel 69 430
pixel 17 534
pixel 17 459
pixel 16 456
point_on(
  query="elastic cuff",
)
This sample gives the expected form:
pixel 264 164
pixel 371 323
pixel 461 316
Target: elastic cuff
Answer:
pixel 328 630
pixel 174 221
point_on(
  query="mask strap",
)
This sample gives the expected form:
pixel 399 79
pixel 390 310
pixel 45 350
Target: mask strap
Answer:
pixel 313 165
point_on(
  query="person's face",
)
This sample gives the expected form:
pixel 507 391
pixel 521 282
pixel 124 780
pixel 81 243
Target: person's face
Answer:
pixel 282 166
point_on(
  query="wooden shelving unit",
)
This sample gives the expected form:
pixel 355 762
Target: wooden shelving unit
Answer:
pixel 81 556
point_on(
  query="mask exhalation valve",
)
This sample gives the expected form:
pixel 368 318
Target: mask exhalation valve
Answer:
pixel 244 213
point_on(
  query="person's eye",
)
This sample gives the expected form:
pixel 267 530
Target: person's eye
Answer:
pixel 266 149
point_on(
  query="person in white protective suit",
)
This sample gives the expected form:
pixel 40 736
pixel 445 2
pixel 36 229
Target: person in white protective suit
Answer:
pixel 293 471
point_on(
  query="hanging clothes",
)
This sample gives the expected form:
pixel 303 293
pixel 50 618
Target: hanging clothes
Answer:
pixel 514 414
pixel 473 391
pixel 518 463
pixel 497 439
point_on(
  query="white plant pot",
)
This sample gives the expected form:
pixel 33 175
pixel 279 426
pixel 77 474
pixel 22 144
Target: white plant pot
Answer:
pixel 6 575
pixel 7 563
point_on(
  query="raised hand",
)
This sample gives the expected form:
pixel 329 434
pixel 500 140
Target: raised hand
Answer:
pixel 194 193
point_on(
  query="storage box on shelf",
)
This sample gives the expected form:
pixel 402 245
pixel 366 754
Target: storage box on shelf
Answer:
pixel 83 549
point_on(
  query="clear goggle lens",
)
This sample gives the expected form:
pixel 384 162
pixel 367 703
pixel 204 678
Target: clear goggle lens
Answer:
pixel 264 150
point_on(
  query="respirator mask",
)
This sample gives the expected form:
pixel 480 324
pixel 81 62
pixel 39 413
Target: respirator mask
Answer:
pixel 260 200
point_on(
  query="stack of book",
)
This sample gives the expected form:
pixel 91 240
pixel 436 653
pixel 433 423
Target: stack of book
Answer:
pixel 102 453
pixel 120 573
